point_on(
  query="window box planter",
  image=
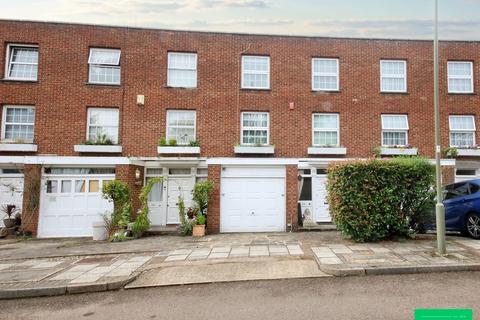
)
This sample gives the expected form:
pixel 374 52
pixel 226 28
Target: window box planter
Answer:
pixel 468 152
pixel 18 147
pixel 390 151
pixel 327 150
pixel 178 150
pixel 255 149
pixel 86 148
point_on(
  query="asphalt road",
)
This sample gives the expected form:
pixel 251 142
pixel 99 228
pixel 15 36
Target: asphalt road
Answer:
pixel 373 297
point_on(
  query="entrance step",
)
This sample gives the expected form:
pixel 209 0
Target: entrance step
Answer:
pixel 162 230
pixel 325 226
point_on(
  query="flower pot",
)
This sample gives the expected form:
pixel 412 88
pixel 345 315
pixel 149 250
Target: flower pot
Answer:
pixel 99 231
pixel 198 230
pixel 9 222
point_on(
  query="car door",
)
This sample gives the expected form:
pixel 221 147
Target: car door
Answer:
pixel 457 203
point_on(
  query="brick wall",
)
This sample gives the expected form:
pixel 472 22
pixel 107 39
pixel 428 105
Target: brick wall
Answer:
pixel 292 197
pixel 61 94
pixel 31 197
pixel 213 216
pixel 126 173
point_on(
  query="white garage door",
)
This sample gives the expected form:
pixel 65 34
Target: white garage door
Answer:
pixel 11 189
pixel 70 203
pixel 252 199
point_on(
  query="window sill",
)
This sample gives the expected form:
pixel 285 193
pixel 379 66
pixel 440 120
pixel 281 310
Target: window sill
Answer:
pixel 18 80
pixel 394 92
pixel 388 151
pixel 327 150
pixel 254 149
pixel 178 150
pixel 462 94
pixel 326 91
pixel 91 84
pixel 85 148
pixel 255 89
pixel 468 152
pixel 180 88
pixel 19 147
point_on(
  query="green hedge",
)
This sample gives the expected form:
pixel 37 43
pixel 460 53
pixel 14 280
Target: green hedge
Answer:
pixel 371 200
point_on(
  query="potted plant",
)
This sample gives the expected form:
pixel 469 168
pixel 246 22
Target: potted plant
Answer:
pixel 199 226
pixel 10 211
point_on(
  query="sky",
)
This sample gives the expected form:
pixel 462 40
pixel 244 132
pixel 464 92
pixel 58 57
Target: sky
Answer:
pixel 411 19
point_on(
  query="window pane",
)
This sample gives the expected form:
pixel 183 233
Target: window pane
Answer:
pixel 460 85
pixel 93 186
pixel 462 139
pixel 179 171
pixel 394 138
pixel 156 195
pixel 394 122
pixel 104 74
pixel 325 121
pixel 255 137
pixel 462 123
pixel 459 69
pixel 325 138
pixel 52 186
pixel 306 192
pixel 23 63
pixel 104 56
pixel 66 186
pixel 393 68
pixel 80 186
pixel 393 84
pixel 19 123
pixel 255 72
pixel 259 120
pixel 182 70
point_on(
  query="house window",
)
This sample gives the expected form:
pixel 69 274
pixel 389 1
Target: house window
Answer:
pixel 182 70
pixel 104 66
pixel 255 128
pixel 255 72
pixel 393 76
pixel 325 129
pixel 462 131
pixel 102 124
pixel 22 62
pixel 460 77
pixel 181 126
pixel 18 123
pixel 394 130
pixel 325 74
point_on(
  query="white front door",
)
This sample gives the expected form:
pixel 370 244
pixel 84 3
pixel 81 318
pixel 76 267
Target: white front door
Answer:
pixel 319 195
pixel 156 204
pixel 69 205
pixel 252 199
pixel 178 187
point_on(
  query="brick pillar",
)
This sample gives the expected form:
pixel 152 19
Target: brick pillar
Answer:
pixel 448 175
pixel 31 197
pixel 126 173
pixel 213 216
pixel 292 197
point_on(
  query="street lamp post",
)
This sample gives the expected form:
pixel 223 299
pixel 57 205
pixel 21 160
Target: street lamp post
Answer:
pixel 439 208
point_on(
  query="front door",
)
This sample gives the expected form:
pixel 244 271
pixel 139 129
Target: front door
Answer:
pixel 178 187
pixel 320 205
pixel 157 214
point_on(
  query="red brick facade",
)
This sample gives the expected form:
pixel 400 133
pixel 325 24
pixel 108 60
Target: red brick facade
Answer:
pixel 213 223
pixel 31 198
pixel 127 173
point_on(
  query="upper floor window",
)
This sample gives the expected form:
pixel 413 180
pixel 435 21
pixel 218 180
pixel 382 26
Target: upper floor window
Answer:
pixel 325 129
pixel 182 70
pixel 394 130
pixel 22 62
pixel 460 76
pixel 462 131
pixel 104 66
pixel 102 124
pixel 325 74
pixel 255 128
pixel 393 76
pixel 255 72
pixel 18 123
pixel 181 126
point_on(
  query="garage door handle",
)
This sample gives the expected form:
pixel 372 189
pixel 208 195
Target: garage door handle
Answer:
pixel 252 213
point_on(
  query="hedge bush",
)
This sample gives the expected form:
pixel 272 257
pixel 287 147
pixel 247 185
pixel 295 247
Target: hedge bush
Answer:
pixel 371 200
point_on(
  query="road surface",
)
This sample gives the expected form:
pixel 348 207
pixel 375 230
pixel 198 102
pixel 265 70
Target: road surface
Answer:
pixel 373 297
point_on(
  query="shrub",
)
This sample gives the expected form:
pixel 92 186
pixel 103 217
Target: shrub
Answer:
pixel 377 199
pixel 201 194
pixel 186 225
pixel 194 143
pixel 101 139
pixel 142 222
pixel 201 219
pixel 118 192
pixel 162 142
pixel 172 142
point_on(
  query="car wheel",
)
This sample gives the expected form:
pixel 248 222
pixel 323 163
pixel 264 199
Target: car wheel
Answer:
pixel 472 225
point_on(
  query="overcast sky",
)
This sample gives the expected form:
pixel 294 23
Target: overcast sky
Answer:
pixel 459 19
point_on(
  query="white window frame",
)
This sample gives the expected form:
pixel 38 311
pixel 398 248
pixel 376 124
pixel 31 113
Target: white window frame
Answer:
pixel 169 84
pixel 395 130
pixel 4 120
pixel 382 75
pixel 320 74
pixel 103 65
pixel 242 128
pixel 256 72
pixel 460 77
pixel 8 58
pixel 167 137
pixel 325 130
pixel 90 109
pixel 461 130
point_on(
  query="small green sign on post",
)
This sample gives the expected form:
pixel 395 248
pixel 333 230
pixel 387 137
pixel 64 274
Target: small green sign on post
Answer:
pixel 443 314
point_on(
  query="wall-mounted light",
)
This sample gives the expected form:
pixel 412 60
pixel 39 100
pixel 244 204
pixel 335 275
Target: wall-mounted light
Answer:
pixel 137 174
pixel 140 100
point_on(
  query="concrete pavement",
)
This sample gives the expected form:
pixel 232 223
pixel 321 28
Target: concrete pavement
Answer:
pixel 355 298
